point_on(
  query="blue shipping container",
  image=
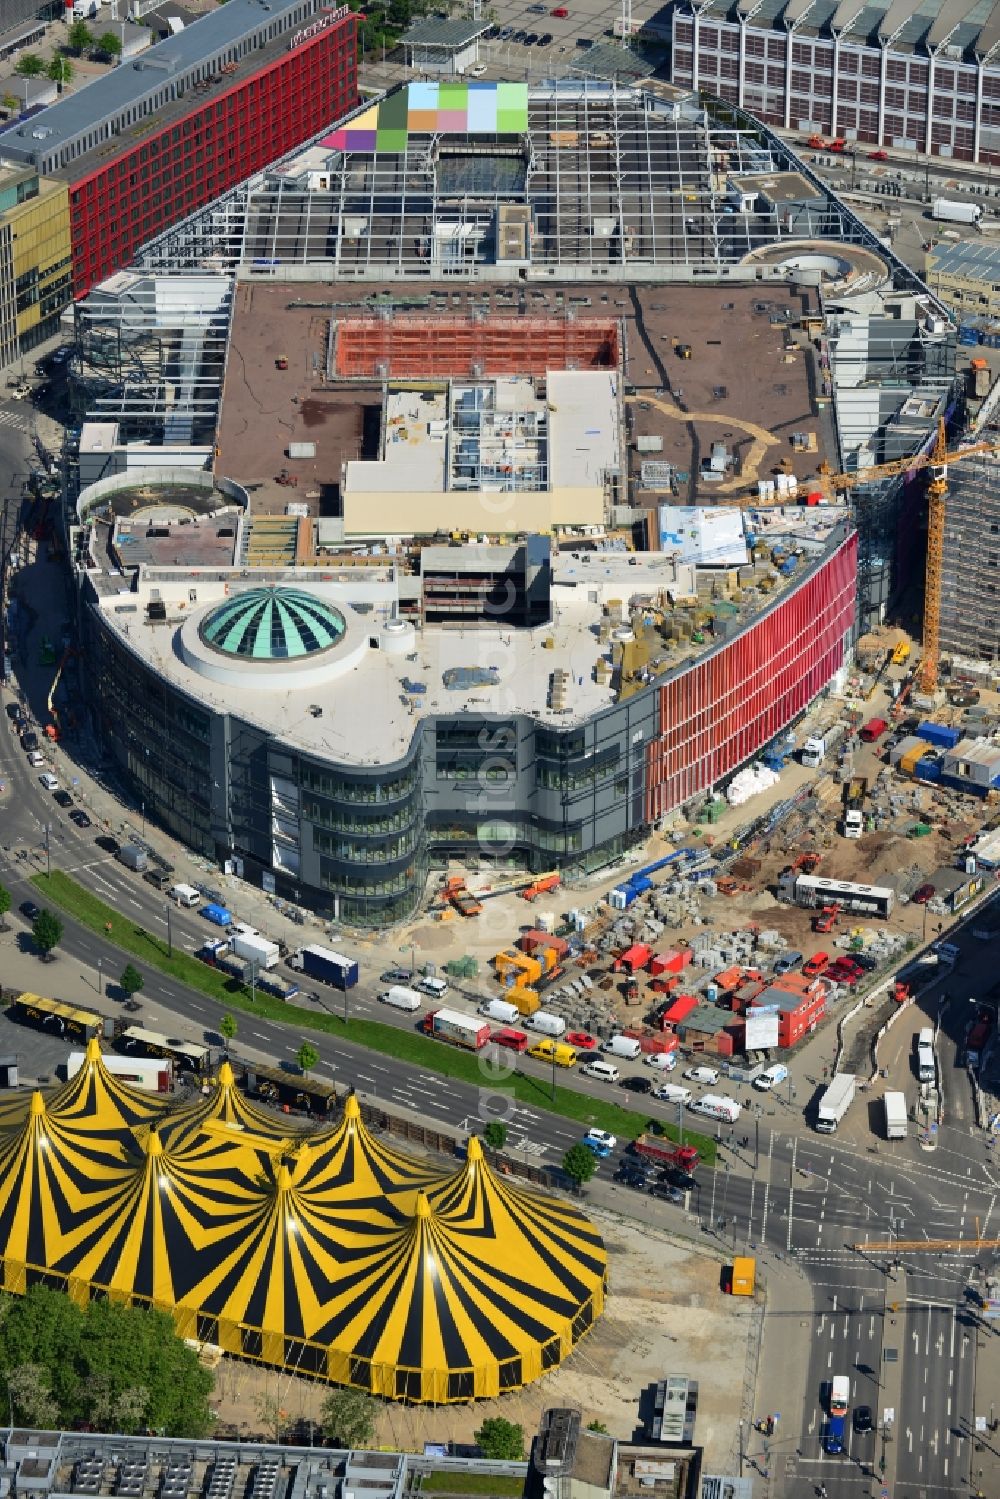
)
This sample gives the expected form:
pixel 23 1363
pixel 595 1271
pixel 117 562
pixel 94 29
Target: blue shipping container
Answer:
pixel 927 770
pixel 940 734
pixel 968 335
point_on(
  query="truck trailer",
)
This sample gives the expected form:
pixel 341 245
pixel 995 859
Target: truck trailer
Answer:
pixel 459 1029
pixel 854 800
pixel 947 211
pixel 895 1116
pixel 256 950
pixel 835 1102
pixel 326 965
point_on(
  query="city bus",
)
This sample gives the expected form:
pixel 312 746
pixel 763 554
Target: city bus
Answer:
pixel 287 1090
pixel 811 890
pixel 187 1056
pixel 56 1017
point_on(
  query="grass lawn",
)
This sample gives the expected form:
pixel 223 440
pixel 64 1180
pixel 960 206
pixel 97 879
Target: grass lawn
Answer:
pixel 150 952
pixel 472 1483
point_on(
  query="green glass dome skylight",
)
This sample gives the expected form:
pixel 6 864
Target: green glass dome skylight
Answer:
pixel 272 624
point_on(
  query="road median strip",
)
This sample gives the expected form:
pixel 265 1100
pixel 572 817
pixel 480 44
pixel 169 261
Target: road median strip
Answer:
pixel 91 912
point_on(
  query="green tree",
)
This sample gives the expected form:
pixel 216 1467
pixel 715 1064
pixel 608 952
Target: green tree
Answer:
pixel 131 980
pixel 10 103
pixel 115 1410
pixel 29 65
pixel 31 1396
pixel 270 1414
pixel 307 1056
pixel 227 1029
pixel 495 1135
pixel 579 1164
pixel 5 904
pixel 348 1418
pixel 109 44
pixel 501 1439
pixel 598 1427
pixel 79 37
pixel 60 71
pixel 124 1364
pixel 46 932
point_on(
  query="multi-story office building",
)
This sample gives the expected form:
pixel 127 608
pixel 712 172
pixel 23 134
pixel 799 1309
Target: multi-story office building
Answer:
pixel 885 74
pixel 35 261
pixel 153 140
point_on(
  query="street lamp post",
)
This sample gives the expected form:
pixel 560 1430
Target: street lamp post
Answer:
pixel 170 937
pixel 48 850
pixel 100 976
pixel 143 806
pixel 741 1449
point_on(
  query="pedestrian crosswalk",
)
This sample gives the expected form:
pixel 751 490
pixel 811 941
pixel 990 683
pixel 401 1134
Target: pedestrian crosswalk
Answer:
pixel 12 419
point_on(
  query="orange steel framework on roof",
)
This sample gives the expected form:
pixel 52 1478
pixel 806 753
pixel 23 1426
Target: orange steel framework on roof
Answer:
pixel 376 348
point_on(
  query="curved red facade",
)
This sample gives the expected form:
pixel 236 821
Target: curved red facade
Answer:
pixel 730 705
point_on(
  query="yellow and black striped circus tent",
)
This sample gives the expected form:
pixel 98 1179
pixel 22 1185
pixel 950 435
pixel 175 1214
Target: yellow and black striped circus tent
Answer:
pixel 329 1253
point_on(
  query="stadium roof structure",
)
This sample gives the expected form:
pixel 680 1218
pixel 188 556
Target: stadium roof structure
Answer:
pixel 328 1253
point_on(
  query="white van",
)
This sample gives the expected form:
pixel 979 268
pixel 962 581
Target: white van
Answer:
pixel 49 781
pixel 401 998
pixel 716 1106
pixel 770 1078
pixel 672 1093
pixel 501 1010
pixel 662 1061
pixel 926 1070
pixel 622 1046
pixel 549 1025
pixel 185 895
pixel 605 1072
pixel 436 988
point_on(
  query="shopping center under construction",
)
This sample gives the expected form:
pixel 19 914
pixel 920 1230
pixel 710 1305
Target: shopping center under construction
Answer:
pixel 508 410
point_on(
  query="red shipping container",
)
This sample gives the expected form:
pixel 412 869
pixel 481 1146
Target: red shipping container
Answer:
pixel 677 1012
pixel 635 958
pixel 530 940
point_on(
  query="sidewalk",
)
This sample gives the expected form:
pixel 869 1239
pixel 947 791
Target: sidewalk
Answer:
pixel 984 1462
pixel 783 1377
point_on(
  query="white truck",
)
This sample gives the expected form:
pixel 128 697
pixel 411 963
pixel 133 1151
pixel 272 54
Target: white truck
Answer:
pixel 818 746
pixel 895 1116
pixel 947 211
pixel 835 1102
pixel 257 950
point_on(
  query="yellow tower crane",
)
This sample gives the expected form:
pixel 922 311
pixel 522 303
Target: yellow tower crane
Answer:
pixel 937 460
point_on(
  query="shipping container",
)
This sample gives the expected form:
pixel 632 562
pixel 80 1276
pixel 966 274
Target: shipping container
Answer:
pixel 942 735
pixel 256 950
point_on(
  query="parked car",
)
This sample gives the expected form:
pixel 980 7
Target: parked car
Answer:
pixel 36 758
pixel 582 1040
pixel 477 70
pixel 866 963
pixel 79 816
pixel 15 713
pixel 923 894
pixel 663 1061
pixel 816 964
pixel 863 1418
pixel 545 39
pixel 702 1075
pixel 531 38
pixel 560 12
pixel 49 781
pixel 395 976
pixel 63 798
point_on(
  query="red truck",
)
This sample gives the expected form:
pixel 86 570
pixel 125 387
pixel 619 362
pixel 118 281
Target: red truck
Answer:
pixel 873 729
pixel 665 1152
